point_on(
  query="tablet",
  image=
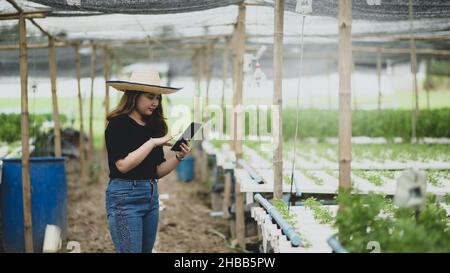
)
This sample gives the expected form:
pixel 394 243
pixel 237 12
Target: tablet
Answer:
pixel 188 134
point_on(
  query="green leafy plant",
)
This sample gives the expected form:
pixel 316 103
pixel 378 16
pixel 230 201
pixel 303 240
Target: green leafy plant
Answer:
pixel 317 180
pixel 366 218
pixel 434 178
pixel 371 177
pixel 322 214
pixel 372 123
pixel 281 206
pixel 10 129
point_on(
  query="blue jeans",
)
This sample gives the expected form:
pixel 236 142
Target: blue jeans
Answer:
pixel 132 207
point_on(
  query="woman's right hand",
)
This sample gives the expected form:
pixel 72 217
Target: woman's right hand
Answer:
pixel 162 141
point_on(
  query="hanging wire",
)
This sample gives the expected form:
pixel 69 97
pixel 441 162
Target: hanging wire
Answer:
pixel 298 109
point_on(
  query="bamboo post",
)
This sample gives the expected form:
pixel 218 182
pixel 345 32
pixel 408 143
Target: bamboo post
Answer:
pixel 118 74
pixel 426 86
pixel 196 108
pixel 415 113
pixel 277 125
pixel 240 217
pixel 233 77
pixel 80 110
pixel 91 104
pixel 238 117
pixel 345 67
pixel 26 184
pixel 224 76
pixel 209 68
pixel 201 69
pixel 208 62
pixel 240 50
pixel 107 75
pixel 52 70
pixel 379 78
pixel 227 195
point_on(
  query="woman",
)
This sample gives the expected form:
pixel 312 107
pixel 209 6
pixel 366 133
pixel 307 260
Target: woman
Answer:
pixel 135 136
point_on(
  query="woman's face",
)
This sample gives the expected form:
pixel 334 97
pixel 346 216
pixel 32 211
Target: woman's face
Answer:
pixel 147 103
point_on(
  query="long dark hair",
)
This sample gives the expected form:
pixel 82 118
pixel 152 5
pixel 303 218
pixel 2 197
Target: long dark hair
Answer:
pixel 127 104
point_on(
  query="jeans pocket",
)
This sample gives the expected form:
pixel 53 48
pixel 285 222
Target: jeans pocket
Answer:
pixel 119 187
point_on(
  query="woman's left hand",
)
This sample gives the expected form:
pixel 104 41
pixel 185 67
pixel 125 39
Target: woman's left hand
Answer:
pixel 185 149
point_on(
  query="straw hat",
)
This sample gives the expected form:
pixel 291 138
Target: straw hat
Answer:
pixel 145 80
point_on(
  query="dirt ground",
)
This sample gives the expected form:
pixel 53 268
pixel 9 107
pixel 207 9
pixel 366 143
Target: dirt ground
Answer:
pixel 185 224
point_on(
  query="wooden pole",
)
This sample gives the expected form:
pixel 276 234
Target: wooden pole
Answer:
pixel 27 15
pixel 91 104
pixel 240 50
pixel 238 124
pixel 52 70
pixel 427 86
pixel 345 68
pixel 26 184
pixel 119 67
pixel 80 110
pixel 277 124
pixel 201 69
pixel 415 113
pixel 197 109
pixel 379 78
pixel 208 65
pixel 209 68
pixel 227 195
pixel 234 77
pixel 107 74
pixel 224 77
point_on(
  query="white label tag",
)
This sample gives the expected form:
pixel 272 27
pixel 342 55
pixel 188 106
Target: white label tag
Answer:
pixel 304 6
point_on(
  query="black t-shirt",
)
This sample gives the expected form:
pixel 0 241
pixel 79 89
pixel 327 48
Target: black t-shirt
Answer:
pixel 124 135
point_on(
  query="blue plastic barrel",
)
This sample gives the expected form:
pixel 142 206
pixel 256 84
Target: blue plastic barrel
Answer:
pixel 185 169
pixel 48 200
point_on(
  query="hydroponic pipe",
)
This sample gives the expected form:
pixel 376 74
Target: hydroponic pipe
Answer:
pixel 256 177
pixel 288 230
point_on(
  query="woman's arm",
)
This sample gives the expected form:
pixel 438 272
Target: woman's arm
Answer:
pixel 136 157
pixel 169 165
pixel 166 167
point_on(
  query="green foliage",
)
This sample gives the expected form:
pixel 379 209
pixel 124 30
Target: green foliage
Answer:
pixel 317 180
pixel 322 214
pixel 370 123
pixel 10 129
pixel 282 208
pixel 366 218
pixel 372 177
pixel 434 178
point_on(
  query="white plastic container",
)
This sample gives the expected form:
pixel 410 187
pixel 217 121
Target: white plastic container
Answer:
pixel 52 239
